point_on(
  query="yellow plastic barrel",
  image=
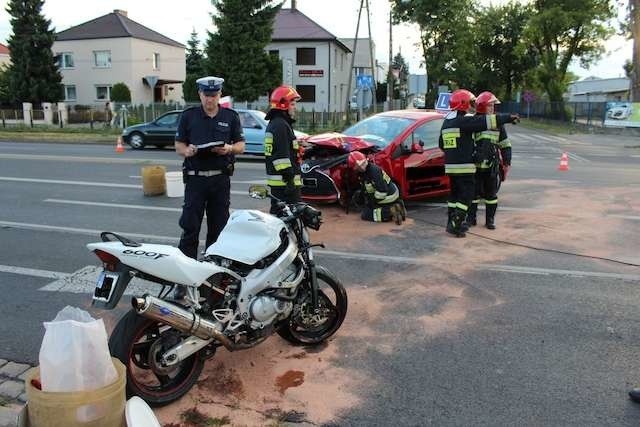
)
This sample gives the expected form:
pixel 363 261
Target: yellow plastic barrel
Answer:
pixel 153 182
pixel 103 407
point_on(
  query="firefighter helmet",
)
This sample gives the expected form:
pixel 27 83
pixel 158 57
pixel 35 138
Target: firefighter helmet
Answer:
pixel 356 158
pixel 484 100
pixel 282 96
pixel 461 100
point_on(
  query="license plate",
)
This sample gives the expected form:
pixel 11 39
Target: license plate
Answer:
pixel 105 286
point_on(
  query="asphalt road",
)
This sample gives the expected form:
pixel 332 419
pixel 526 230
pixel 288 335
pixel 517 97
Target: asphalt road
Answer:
pixel 535 323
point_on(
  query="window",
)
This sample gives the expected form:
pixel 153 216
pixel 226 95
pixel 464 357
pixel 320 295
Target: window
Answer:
pixel 156 61
pixel 428 133
pixel 70 93
pixel 65 60
pixel 103 93
pixel 169 120
pixel 102 58
pixel 248 121
pixel 275 53
pixel 306 56
pixel 307 93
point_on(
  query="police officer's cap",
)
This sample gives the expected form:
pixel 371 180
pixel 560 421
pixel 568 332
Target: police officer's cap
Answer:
pixel 210 85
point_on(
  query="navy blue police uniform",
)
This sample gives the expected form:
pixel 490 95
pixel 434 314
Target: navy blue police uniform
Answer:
pixel 206 174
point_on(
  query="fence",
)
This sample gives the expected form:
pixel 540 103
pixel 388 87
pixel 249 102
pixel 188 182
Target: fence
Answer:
pixel 586 113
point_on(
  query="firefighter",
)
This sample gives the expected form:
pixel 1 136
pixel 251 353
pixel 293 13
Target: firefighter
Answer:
pixel 383 202
pixel 281 147
pixel 456 140
pixel 491 146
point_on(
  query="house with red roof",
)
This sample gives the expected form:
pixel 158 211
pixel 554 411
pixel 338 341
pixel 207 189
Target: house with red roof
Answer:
pixel 5 57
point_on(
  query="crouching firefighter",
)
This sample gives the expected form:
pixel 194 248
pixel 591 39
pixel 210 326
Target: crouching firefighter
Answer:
pixel 383 202
pixel 281 147
pixel 456 140
pixel 491 146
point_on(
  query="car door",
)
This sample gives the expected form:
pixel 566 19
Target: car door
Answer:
pixel 165 128
pixel 253 128
pixel 424 171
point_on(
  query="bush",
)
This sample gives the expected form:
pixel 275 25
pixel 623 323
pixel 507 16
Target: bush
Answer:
pixel 120 93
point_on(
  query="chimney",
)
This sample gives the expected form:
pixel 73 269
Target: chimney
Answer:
pixel 293 4
pixel 120 12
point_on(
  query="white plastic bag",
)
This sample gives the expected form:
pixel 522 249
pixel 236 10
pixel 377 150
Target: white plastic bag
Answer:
pixel 74 355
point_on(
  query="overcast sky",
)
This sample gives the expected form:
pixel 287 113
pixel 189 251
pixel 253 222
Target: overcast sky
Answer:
pixel 177 19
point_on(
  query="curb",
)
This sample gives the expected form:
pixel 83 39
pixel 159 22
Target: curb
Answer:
pixel 12 391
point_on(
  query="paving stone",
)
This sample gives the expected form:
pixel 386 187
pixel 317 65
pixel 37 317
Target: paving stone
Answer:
pixel 11 388
pixel 9 415
pixel 3 362
pixel 13 369
pixel 23 397
pixel 23 376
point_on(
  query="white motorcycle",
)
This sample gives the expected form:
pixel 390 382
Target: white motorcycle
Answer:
pixel 260 277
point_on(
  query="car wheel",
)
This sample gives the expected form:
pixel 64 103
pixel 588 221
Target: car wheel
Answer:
pixel 136 141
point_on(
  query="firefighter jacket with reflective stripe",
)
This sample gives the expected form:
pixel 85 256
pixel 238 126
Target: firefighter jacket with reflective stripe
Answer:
pixel 281 152
pixel 378 186
pixel 488 142
pixel 456 139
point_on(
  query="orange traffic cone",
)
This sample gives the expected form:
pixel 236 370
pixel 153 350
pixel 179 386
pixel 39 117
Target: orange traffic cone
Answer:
pixel 564 162
pixel 119 146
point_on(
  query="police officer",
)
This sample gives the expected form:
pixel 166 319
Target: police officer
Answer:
pixel 456 140
pixel 281 147
pixel 491 146
pixel 208 137
pixel 383 202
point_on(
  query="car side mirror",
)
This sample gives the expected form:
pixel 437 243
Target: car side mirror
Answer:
pixel 417 147
pixel 257 126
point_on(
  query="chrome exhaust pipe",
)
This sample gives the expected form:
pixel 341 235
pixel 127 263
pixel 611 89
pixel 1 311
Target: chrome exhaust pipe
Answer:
pixel 181 319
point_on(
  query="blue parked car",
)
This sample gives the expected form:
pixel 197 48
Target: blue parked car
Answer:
pixel 161 132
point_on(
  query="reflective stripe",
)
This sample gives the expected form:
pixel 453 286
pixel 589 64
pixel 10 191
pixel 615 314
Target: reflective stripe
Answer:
pixel 451 204
pixel 390 198
pixel 476 201
pixel 377 215
pixel 294 144
pixel 277 181
pixel 491 202
pixel 280 164
pixel 505 143
pixel 379 195
pixel 369 188
pixel 492 121
pixel 491 135
pixel 462 206
pixel 460 168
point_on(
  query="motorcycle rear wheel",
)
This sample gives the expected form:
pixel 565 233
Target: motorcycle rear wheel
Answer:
pixel 137 342
pixel 307 328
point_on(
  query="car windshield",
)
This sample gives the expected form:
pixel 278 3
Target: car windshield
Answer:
pixel 379 130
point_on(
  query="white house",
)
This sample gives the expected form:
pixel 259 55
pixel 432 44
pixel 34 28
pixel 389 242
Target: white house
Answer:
pixel 5 56
pixel 593 89
pixel 95 55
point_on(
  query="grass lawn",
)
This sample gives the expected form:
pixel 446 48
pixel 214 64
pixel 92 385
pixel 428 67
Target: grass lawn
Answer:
pixel 52 134
pixel 558 128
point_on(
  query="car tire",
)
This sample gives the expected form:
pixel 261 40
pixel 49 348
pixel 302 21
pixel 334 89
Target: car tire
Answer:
pixel 136 141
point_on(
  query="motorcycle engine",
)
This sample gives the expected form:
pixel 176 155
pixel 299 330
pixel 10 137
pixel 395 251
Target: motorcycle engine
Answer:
pixel 265 309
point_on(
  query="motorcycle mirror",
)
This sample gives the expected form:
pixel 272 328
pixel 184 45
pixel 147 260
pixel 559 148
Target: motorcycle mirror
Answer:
pixel 258 191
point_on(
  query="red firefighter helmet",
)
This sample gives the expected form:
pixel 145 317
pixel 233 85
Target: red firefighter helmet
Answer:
pixel 356 158
pixel 282 96
pixel 484 100
pixel 461 100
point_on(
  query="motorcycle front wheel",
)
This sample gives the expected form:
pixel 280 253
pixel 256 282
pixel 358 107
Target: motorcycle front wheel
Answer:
pixel 307 327
pixel 138 342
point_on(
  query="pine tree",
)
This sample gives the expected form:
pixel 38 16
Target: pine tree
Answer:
pixel 33 75
pixel 236 51
pixel 194 55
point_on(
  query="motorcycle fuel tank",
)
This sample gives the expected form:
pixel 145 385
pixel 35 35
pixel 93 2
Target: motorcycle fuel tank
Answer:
pixel 249 236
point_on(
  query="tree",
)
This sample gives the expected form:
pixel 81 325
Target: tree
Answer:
pixel 562 30
pixel 503 58
pixel 120 93
pixel 446 37
pixel 400 65
pixel 632 68
pixel 4 86
pixel 190 89
pixel 194 55
pixel 236 51
pixel 33 75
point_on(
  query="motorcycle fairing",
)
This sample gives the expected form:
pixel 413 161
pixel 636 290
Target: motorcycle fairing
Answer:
pixel 248 237
pixel 163 261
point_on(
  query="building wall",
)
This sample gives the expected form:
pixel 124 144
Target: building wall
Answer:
pixel 330 86
pixel 131 60
pixel 5 60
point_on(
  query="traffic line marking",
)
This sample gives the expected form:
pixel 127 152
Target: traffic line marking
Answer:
pixel 112 205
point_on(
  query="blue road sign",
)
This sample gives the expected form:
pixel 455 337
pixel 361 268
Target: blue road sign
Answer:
pixel 443 101
pixel 364 80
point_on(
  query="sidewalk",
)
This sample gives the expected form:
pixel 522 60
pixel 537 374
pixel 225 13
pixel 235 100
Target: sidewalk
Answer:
pixel 12 391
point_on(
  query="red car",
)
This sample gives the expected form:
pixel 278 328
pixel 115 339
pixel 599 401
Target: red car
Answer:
pixel 404 143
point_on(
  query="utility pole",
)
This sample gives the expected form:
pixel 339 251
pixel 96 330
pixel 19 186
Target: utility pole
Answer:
pixel 389 73
pixel 373 68
pixel 353 58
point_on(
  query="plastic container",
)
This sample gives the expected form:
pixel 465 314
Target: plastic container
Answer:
pixel 103 407
pixel 175 186
pixel 153 183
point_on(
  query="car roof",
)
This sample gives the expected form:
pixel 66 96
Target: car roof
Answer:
pixel 413 114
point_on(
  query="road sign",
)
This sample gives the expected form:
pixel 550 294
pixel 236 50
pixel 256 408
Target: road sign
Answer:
pixel 442 104
pixel 364 80
pixel 151 81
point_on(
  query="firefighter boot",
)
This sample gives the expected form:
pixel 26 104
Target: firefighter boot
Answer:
pixel 471 214
pixel 455 226
pixel 403 210
pixel 490 218
pixel 396 214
